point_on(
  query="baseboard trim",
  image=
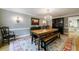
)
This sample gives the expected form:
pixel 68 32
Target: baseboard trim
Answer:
pixel 22 36
pixel 17 29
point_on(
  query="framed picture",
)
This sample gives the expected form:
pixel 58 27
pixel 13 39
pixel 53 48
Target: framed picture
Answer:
pixel 34 21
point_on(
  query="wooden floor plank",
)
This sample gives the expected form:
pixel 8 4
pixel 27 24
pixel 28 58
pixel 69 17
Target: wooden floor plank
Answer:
pixel 77 44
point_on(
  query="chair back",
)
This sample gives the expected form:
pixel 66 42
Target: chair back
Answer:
pixel 4 31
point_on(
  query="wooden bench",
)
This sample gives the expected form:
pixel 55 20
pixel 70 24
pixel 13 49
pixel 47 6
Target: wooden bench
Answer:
pixel 47 40
pixel 42 34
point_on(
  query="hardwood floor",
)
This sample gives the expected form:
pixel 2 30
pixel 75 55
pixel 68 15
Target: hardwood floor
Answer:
pixel 77 44
pixel 5 48
pixel 24 44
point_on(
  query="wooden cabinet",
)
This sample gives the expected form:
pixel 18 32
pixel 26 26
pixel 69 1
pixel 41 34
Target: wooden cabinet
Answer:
pixel 58 23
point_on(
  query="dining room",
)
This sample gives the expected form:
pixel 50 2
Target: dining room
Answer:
pixel 38 29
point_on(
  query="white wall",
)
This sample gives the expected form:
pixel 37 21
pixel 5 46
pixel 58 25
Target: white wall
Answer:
pixel 72 23
pixel 8 18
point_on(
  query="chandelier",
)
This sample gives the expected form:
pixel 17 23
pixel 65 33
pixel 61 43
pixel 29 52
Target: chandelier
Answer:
pixel 48 16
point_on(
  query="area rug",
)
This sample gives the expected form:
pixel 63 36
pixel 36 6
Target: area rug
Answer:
pixel 24 44
pixel 68 45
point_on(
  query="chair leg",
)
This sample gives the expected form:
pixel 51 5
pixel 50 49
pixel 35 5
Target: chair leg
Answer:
pixel 14 38
pixel 8 41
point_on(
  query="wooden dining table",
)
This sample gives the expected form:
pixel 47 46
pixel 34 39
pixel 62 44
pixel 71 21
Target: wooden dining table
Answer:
pixel 40 33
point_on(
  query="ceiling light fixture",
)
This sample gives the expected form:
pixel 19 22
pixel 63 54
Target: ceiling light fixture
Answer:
pixel 48 17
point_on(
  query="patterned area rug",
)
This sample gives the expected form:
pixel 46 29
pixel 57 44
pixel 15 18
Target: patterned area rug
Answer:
pixel 68 45
pixel 24 44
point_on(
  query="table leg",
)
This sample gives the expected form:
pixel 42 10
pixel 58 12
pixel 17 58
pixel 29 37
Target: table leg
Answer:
pixel 32 39
pixel 39 44
pixel 59 35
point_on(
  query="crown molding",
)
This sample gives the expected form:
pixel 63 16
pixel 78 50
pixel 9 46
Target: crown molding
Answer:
pixel 19 10
pixel 23 11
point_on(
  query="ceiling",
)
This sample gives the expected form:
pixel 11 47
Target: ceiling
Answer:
pixel 41 12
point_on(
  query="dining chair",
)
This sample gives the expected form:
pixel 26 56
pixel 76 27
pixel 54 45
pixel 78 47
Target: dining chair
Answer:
pixel 7 35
